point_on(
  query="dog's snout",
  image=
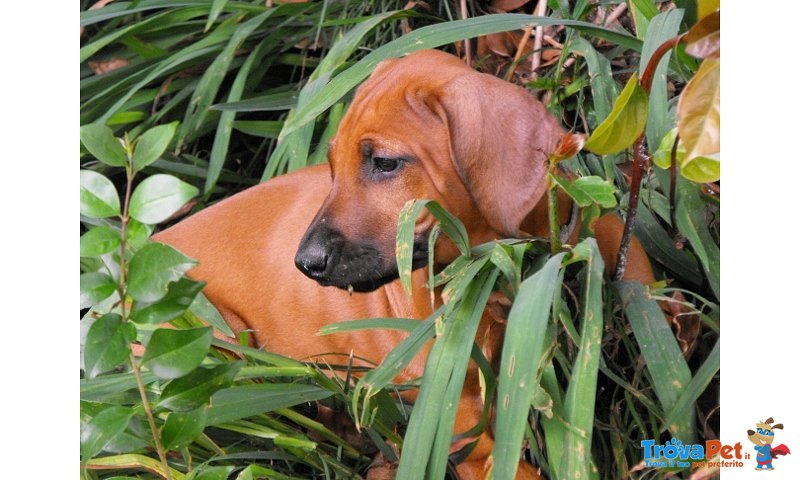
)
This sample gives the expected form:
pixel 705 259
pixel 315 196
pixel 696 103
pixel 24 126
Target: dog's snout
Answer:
pixel 316 253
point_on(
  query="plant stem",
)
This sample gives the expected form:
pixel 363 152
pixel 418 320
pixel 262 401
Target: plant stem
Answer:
pixel 639 156
pixel 122 288
pixel 673 182
pixel 150 419
pixel 553 213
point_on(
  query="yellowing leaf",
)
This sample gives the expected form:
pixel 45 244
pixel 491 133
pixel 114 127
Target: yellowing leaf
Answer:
pixel 702 169
pixel 703 39
pixel 706 7
pixel 663 156
pixel 698 112
pixel 625 122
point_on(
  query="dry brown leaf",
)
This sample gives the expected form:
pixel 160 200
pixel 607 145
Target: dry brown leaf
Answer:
pixel 698 111
pixel 703 39
pixel 107 65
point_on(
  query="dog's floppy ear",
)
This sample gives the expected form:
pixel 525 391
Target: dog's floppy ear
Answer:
pixel 500 140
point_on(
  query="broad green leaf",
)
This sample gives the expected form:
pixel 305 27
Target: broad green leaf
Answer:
pixel 138 233
pixel 174 353
pixel 207 472
pixel 96 287
pixel 153 268
pixel 662 355
pixel 152 144
pixel 99 241
pixel 158 197
pixel 588 190
pixel 522 355
pixel 247 400
pixel 642 12
pixel 181 428
pixel 99 140
pixel 107 344
pixel 625 122
pixel 663 156
pixel 698 111
pixel 99 198
pixel 102 429
pixel 101 388
pixel 579 402
pixel 179 296
pixel 703 169
pixel 195 389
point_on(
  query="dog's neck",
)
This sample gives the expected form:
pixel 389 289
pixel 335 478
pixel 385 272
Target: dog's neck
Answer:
pixel 536 223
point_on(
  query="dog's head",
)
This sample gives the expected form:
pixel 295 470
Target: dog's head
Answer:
pixel 764 433
pixel 426 126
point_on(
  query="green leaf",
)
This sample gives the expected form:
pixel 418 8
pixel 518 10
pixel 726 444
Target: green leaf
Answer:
pixel 158 197
pixel 179 296
pixel 153 268
pixel 102 429
pixel 99 140
pixel 181 428
pixel 588 190
pixel 152 144
pixel 213 14
pixel 99 198
pixel 247 400
pixel 523 351
pixel 265 103
pixel 129 460
pixel 205 311
pixel 604 90
pixel 693 222
pixel 107 344
pixel 210 473
pixel 99 241
pixel 579 402
pixel 259 128
pixel 174 353
pixel 663 155
pixel 662 354
pixel 138 233
pixel 96 287
pixel 195 389
pixel 702 169
pixel 625 122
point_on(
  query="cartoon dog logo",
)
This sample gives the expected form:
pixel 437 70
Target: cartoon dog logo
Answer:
pixel 763 438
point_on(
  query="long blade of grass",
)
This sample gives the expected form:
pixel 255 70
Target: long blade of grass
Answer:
pixel 696 387
pixel 522 355
pixel 247 400
pixel 659 120
pixel 209 83
pixel 692 217
pixel 133 461
pixel 264 103
pixel 434 36
pixel 581 394
pixel 430 428
pixel 662 355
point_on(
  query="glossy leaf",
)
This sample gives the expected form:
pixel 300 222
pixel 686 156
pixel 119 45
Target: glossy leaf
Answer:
pixel 99 198
pixel 625 122
pixel 698 112
pixel 663 155
pixel 174 353
pixel 588 190
pixel 158 197
pixel 99 241
pixel 96 287
pixel 247 400
pixel 152 144
pixel 181 428
pixel 703 39
pixel 138 233
pixel 179 296
pixel 99 140
pixel 195 389
pixel 205 311
pixel 152 269
pixel 703 169
pixel 107 344
pixel 102 429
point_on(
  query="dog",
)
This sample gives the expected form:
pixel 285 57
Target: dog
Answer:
pixel 317 246
pixel 763 438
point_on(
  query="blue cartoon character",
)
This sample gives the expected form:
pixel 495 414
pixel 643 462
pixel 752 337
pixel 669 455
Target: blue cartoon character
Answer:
pixel 763 438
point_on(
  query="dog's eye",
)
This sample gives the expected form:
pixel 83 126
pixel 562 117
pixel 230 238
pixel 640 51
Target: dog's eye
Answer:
pixel 386 165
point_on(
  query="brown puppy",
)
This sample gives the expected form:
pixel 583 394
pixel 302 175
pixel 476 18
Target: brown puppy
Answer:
pixel 424 126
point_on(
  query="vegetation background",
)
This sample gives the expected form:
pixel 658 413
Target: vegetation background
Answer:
pixel 208 98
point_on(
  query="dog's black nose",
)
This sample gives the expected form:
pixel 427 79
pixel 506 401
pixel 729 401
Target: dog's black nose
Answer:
pixel 316 254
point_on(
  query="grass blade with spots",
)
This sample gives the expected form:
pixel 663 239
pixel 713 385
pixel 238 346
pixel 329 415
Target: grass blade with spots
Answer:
pixel 581 394
pixel 522 355
pixel 662 355
pixel 699 383
pixel 430 428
